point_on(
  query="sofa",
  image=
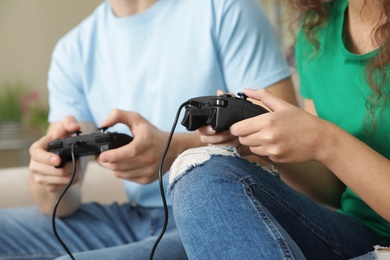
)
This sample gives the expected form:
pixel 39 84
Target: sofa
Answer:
pixel 99 185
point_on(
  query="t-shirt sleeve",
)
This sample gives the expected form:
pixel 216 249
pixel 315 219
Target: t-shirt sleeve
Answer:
pixel 249 50
pixel 66 93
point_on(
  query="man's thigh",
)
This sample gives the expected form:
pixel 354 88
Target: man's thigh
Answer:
pixel 27 233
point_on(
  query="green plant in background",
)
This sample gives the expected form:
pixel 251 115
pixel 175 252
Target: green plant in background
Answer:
pixel 20 103
pixel 34 112
pixel 10 107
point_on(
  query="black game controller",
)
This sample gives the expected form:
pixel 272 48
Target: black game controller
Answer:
pixel 220 112
pixel 92 144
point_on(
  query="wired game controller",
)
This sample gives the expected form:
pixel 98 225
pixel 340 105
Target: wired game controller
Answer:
pixel 91 144
pixel 220 112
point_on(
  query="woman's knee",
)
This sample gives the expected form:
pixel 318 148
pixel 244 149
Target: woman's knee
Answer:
pixel 195 165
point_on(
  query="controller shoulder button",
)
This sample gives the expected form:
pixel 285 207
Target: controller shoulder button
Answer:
pixel 226 95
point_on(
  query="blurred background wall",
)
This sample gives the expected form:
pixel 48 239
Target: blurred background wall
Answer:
pixel 29 31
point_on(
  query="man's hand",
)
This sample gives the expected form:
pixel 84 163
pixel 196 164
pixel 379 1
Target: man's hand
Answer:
pixel 46 182
pixel 42 162
pixel 138 161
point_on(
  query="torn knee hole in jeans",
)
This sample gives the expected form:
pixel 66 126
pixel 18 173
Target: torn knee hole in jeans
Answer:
pixel 197 156
pixel 382 252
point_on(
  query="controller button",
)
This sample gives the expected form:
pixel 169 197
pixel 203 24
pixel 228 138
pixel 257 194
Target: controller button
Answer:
pixel 104 147
pixel 218 102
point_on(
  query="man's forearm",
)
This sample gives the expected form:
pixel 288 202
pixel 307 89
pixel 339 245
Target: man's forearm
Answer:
pixel 46 199
pixel 180 143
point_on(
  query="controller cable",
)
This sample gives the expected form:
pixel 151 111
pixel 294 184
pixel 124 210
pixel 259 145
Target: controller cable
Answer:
pixel 161 185
pixel 160 178
pixel 59 200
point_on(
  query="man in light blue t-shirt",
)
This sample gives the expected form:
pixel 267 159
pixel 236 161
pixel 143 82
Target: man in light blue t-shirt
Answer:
pixel 130 65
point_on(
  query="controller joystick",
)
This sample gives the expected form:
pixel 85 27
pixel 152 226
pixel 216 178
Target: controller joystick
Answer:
pixel 220 112
pixel 102 129
pixel 76 133
pixel 241 96
pixel 91 144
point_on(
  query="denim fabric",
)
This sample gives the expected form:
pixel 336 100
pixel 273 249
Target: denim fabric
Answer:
pixel 226 207
pixel 100 232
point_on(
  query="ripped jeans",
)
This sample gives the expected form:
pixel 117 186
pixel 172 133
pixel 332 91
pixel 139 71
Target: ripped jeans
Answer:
pixel 226 207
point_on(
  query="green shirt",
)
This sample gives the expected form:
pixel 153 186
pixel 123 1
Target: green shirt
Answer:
pixel 334 79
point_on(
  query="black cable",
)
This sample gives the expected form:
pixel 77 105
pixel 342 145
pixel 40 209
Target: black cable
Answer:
pixel 53 219
pixel 161 184
pixel 160 178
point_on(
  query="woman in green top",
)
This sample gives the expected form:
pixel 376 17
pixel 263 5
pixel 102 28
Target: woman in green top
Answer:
pixel 334 156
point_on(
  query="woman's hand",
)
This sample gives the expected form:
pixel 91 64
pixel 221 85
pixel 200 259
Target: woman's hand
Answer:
pixel 287 134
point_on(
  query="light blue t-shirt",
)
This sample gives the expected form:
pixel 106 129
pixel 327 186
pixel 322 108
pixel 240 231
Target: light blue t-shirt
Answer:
pixel 154 61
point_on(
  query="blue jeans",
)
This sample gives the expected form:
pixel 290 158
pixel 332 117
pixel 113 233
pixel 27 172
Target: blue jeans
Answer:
pixel 226 207
pixel 93 232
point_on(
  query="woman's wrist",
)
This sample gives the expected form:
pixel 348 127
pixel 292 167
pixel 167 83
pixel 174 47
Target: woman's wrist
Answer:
pixel 328 142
